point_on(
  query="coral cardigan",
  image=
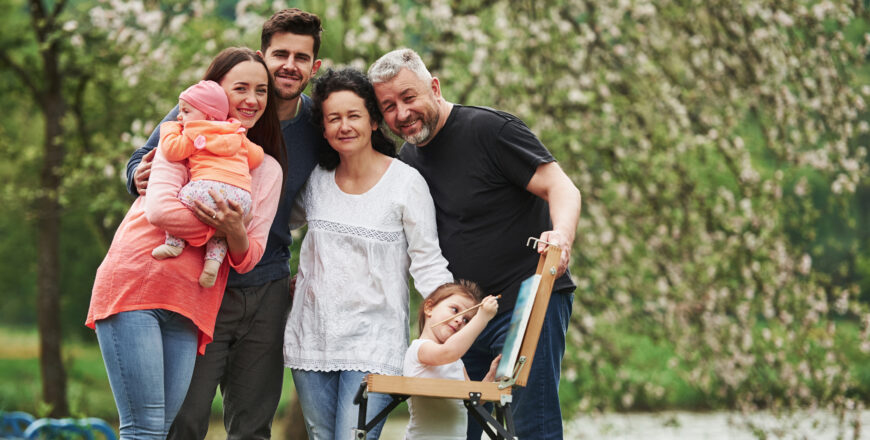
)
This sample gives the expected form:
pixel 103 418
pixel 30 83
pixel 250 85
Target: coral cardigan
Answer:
pixel 130 279
pixel 215 150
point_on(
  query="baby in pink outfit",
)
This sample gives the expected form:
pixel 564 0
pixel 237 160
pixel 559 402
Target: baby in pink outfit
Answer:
pixel 220 158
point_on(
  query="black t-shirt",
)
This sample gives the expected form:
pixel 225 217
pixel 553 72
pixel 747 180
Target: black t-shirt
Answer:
pixel 477 168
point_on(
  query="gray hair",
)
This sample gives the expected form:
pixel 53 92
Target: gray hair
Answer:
pixel 389 65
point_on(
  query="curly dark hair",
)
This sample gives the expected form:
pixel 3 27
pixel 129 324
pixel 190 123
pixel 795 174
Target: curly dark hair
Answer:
pixel 352 80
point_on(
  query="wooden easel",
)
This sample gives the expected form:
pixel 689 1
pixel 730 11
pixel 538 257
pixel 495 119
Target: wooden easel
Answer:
pixel 473 393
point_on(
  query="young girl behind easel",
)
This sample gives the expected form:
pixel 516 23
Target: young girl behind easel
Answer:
pixel 449 324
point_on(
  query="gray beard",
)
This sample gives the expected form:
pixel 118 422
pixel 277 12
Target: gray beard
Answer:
pixel 418 138
pixel 426 132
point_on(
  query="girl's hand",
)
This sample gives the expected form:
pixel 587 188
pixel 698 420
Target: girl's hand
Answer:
pixel 490 376
pixel 489 307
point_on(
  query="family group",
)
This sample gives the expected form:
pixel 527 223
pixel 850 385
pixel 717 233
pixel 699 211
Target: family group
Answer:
pixel 196 291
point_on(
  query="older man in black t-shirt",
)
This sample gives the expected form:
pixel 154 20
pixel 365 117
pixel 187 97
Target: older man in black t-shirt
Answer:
pixel 494 184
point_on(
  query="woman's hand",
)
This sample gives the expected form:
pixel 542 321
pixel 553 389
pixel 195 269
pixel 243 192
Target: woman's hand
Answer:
pixel 228 219
pixel 292 287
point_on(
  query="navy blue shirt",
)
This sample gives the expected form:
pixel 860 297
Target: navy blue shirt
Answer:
pixel 301 139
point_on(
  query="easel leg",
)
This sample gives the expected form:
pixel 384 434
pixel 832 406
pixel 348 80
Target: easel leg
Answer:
pixel 479 414
pixel 362 400
pixel 397 399
pixel 509 419
pixel 485 419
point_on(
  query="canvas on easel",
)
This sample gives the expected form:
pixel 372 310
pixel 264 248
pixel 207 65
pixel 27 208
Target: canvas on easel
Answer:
pixel 519 321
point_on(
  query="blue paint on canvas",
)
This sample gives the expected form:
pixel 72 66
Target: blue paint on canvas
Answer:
pixel 519 320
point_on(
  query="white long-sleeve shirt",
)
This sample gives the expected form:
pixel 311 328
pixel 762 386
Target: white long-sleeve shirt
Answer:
pixel 350 310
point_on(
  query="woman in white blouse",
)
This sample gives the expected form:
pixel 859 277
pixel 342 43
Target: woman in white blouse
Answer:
pixel 371 221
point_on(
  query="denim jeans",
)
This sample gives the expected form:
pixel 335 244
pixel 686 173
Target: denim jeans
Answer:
pixel 327 403
pixel 536 406
pixel 246 360
pixel 149 356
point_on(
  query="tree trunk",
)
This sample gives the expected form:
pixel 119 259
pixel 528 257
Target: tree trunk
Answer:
pixel 48 222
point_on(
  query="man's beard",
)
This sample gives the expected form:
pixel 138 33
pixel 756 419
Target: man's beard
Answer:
pixel 287 95
pixel 427 129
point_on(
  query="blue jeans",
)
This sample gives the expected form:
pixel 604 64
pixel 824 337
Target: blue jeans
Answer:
pixel 536 406
pixel 149 356
pixel 327 404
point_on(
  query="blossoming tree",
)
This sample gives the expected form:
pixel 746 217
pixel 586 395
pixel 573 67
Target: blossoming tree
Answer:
pixel 700 133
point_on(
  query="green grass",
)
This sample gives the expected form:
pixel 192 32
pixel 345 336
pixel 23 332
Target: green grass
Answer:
pixel 21 387
pixel 650 370
pixel 643 362
pixel 88 388
pixel 642 365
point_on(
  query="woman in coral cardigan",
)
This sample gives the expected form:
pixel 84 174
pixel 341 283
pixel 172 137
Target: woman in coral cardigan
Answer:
pixel 152 317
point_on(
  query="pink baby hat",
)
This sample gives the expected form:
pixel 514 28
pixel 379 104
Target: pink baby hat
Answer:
pixel 208 97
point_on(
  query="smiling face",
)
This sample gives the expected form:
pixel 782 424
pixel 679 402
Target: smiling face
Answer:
pixel 446 308
pixel 247 87
pixel 290 58
pixel 410 106
pixel 347 125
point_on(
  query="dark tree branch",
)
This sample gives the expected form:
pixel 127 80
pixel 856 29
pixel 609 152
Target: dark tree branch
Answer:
pixel 78 109
pixel 37 10
pixel 38 20
pixel 22 75
pixel 58 8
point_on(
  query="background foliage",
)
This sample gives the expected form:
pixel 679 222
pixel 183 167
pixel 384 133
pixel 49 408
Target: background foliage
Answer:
pixel 723 255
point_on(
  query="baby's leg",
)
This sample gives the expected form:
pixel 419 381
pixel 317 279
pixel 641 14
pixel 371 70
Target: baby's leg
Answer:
pixel 170 248
pixel 216 248
pixel 215 251
pixel 173 245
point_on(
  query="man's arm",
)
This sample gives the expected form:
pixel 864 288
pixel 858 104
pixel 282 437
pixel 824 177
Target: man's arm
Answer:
pixel 139 165
pixel 552 184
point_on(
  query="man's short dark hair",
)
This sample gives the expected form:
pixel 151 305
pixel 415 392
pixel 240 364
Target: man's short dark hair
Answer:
pixel 294 21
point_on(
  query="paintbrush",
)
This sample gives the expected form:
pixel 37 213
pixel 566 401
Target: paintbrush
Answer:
pixel 461 313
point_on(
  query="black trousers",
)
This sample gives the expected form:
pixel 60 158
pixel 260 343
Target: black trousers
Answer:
pixel 246 360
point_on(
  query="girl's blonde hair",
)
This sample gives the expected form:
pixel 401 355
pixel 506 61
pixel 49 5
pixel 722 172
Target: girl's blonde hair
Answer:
pixel 467 288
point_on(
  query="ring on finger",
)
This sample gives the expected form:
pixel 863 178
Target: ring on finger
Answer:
pixel 214 216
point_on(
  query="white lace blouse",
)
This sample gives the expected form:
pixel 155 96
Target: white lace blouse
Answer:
pixel 350 310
